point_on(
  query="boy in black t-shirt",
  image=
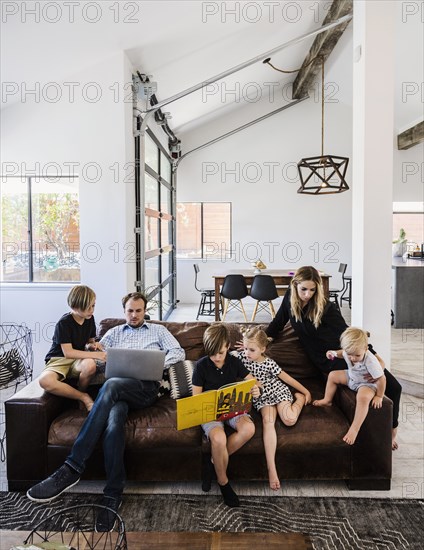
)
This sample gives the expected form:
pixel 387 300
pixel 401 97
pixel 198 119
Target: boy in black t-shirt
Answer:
pixel 217 369
pixel 74 349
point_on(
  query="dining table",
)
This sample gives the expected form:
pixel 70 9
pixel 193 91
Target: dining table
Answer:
pixel 282 278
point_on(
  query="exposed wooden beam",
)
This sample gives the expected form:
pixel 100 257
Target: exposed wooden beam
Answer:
pixel 322 46
pixel 412 136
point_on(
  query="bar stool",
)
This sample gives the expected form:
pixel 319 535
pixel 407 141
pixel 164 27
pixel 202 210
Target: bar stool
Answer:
pixel 347 293
pixel 207 297
pixel 263 289
pixel 234 289
pixel 334 293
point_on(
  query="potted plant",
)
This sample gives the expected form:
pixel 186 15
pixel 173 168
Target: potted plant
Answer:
pixel 399 245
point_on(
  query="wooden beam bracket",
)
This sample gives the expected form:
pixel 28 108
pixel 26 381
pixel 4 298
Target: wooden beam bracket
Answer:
pixel 412 136
pixel 322 47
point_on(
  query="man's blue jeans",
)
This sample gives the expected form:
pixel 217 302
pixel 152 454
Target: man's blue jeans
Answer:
pixel 107 418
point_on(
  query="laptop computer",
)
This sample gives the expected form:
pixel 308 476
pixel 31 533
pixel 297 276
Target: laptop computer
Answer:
pixel 142 364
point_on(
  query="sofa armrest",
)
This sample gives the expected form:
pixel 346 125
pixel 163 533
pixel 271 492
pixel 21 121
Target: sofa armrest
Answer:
pixel 372 451
pixel 29 414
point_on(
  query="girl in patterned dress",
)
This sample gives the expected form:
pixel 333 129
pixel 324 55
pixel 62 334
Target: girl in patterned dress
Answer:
pixel 276 397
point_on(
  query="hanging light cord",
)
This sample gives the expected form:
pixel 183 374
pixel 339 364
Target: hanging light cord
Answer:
pixel 320 57
pixel 268 62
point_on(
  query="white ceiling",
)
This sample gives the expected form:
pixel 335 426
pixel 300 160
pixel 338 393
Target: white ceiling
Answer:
pixel 180 45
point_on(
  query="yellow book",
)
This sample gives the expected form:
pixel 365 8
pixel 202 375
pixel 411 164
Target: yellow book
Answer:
pixel 226 402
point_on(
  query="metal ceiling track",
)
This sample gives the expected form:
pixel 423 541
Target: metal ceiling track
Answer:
pixel 239 129
pixel 259 58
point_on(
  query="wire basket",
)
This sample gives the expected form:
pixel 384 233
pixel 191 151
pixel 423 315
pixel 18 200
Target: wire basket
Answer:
pixel 16 355
pixel 16 365
pixel 75 528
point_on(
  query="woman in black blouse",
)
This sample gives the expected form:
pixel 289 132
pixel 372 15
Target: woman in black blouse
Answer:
pixel 319 324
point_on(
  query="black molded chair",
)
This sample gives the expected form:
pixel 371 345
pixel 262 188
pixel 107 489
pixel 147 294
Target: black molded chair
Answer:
pixel 207 297
pixel 263 289
pixel 333 292
pixel 234 289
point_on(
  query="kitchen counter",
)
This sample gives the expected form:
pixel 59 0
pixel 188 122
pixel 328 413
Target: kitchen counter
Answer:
pixel 410 262
pixel 408 293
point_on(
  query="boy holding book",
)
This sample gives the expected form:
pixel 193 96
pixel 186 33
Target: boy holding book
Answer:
pixel 216 369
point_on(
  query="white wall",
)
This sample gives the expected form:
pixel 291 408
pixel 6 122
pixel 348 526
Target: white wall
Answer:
pixel 97 136
pixel 303 230
pixel 265 211
pixel 408 176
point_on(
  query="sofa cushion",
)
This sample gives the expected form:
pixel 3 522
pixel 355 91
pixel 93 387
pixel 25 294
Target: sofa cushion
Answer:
pixel 147 428
pixel 189 335
pixel 180 376
pixel 108 323
pixel 316 428
pixel 286 350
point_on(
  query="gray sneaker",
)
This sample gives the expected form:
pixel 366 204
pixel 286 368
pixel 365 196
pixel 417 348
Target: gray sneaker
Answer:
pixel 106 518
pixel 63 478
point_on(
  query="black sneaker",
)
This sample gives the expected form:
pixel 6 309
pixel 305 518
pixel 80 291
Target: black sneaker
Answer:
pixel 106 518
pixel 63 478
pixel 230 497
pixel 208 474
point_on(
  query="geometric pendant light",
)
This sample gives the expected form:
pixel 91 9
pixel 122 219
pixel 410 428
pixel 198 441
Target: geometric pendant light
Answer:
pixel 323 175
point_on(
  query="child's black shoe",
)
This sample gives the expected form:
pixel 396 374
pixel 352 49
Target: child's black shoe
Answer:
pixel 208 474
pixel 230 497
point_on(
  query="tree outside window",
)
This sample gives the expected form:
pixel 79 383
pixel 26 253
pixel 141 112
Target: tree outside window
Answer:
pixel 40 229
pixel 203 230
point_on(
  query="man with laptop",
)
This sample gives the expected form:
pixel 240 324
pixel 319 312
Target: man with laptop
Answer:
pixel 137 353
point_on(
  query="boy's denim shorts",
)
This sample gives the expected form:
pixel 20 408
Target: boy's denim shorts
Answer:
pixel 208 426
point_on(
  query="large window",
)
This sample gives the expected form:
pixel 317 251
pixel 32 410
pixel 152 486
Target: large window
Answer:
pixel 203 229
pixel 39 229
pixel 156 229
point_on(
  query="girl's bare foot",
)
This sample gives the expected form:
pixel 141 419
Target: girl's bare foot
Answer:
pixel 274 483
pixel 350 436
pixel 322 403
pixel 394 442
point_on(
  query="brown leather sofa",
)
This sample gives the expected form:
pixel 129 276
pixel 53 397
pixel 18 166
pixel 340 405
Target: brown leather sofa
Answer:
pixel 41 428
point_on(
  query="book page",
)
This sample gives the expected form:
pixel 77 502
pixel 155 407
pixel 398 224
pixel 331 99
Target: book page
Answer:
pixel 229 401
pixel 195 410
pixel 234 399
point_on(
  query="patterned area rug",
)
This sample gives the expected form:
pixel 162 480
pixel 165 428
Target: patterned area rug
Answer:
pixel 332 523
